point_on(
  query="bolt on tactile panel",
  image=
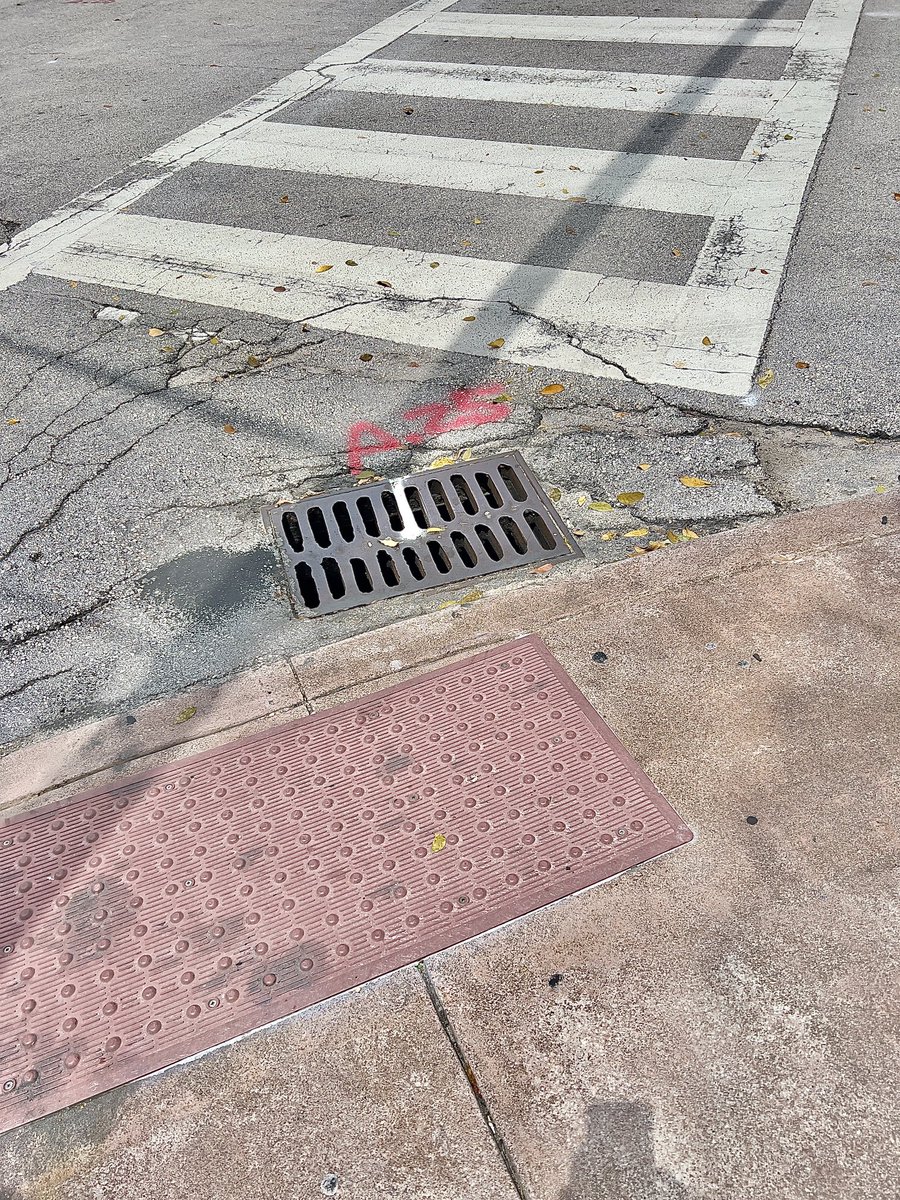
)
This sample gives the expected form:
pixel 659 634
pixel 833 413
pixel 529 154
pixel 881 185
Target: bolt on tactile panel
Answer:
pixel 453 523
pixel 155 917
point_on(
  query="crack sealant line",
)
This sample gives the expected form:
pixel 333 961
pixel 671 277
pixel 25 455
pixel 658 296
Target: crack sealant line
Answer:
pixel 472 1080
pixel 66 225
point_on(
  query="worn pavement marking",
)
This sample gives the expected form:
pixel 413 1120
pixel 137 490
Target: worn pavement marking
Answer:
pixel 706 334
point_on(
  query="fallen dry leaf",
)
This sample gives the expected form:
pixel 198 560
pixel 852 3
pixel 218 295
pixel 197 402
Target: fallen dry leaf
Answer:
pixel 438 842
pixel 801 366
pixel 676 252
pixel 349 262
pixel 252 360
pixel 228 429
pixel 497 343
pixel 283 199
pixel 656 545
pixel 469 598
pixel 552 389
pixel 689 533
pixel 694 482
pixel 366 357
pixel 393 233
pixel 608 535
pixel 445 460
pixel 279 288
pixel 469 318
pixel 672 537
pixel 434 264
pixel 880 489
pixel 543 569
pixel 707 341
pixel 13 420
pixel 554 494
pixel 643 466
pixel 155 332
pixel 186 714
pixel 323 267
pixel 466 455
pixel 629 498
pixel 766 378
pixel 435 529
pixel 384 283
pixel 600 506
pixel 635 533
pixel 389 542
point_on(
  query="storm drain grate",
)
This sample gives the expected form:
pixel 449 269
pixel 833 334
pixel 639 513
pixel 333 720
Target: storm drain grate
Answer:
pixel 165 913
pixel 404 535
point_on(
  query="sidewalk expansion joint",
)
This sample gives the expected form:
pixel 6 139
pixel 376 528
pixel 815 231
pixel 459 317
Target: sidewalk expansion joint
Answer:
pixel 471 1078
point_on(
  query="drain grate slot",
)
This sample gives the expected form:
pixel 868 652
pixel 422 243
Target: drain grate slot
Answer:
pixel 441 526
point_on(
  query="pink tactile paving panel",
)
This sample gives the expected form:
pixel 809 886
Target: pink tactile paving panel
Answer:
pixel 148 920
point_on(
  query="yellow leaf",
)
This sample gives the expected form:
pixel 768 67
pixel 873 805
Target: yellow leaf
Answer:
pixel 438 843
pixel 676 252
pixel 766 378
pixel 445 460
pixel 552 389
pixel 434 264
pixel 73 283
pixel 656 545
pixel 694 481
pixel 635 533
pixel 638 550
pixel 630 498
pixel 12 420
pixel 672 537
pixel 186 714
pixel 252 360
pixel 155 332
pixel 600 506
pixel 476 220
pixel 707 341
pixel 643 466
pixel 497 343
pixel 469 598
pixel 393 233
pixel 555 494
pixel 214 341
pixel 389 542
pixel 228 429
pixel 608 535
pixel 880 489
pixel 323 267
pixel 689 533
pixel 435 529
pixel 466 455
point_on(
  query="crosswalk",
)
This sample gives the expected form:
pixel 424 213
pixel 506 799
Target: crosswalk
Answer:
pixel 703 330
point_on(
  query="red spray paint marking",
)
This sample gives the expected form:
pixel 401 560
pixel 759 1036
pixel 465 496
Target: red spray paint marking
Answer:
pixel 464 409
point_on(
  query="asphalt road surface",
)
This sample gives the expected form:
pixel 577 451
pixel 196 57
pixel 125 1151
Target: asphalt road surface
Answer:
pixel 641 243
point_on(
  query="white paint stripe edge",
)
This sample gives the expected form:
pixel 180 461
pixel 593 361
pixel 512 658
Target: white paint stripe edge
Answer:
pixel 696 31
pixel 653 330
pixel 627 91
pixel 557 173
pixel 69 223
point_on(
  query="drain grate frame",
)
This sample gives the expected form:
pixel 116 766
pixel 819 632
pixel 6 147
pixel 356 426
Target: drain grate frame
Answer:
pixel 159 915
pixel 446 525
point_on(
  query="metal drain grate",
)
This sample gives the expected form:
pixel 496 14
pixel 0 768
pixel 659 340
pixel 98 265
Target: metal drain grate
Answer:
pixel 162 914
pixel 404 535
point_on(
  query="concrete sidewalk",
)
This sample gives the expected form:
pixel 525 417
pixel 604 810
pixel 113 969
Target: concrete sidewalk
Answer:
pixel 717 1023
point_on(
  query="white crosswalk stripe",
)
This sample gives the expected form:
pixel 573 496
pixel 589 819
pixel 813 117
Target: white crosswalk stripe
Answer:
pixel 705 333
